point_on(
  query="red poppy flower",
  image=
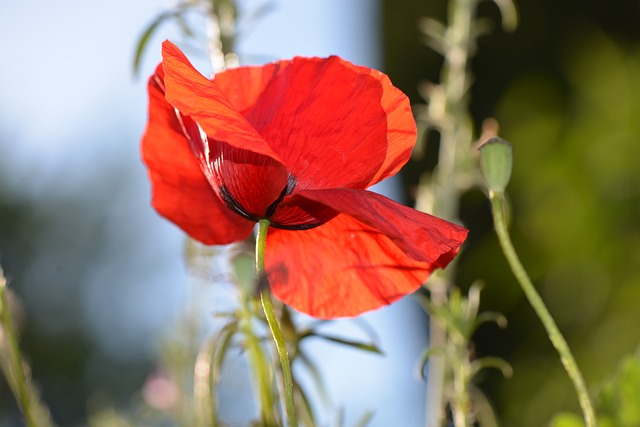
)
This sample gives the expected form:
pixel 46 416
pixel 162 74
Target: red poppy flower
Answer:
pixel 296 142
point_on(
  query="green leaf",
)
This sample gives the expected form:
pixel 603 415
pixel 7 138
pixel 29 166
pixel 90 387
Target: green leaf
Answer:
pixel 373 348
pixel 424 358
pixel 502 365
pixel 509 14
pixel 566 419
pixel 316 376
pixel 303 405
pixel 435 33
pixel 151 28
pixel 492 317
pixel 222 344
pixel 620 395
pixel 207 372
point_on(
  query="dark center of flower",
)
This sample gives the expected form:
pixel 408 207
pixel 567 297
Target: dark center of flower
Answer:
pixel 298 215
pixel 291 184
pixel 237 207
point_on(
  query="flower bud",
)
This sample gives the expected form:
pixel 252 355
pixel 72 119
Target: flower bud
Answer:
pixel 496 160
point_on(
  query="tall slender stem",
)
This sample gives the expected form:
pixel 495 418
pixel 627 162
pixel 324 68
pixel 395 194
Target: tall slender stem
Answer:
pixel 221 34
pixel 8 331
pixel 556 337
pixel 267 306
pixel 442 196
pixel 260 367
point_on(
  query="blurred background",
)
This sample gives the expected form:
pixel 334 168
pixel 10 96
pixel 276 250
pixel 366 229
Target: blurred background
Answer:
pixel 565 89
pixel 102 280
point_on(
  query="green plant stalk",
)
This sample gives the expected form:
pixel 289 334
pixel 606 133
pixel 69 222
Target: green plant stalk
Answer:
pixel 461 403
pixel 442 197
pixel 204 388
pixel 267 306
pixel 205 376
pixel 20 386
pixel 558 341
pixel 259 366
pixel 221 40
pixel 221 22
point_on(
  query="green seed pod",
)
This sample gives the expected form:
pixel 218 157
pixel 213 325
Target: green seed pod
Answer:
pixel 496 160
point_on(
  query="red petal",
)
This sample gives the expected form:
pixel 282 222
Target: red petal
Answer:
pixel 342 268
pixel 332 123
pixel 422 236
pixel 197 97
pixel 180 191
pixel 401 131
pixel 301 214
pixel 242 86
pixel 254 182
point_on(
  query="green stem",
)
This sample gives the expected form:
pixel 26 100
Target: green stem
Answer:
pixel 20 387
pixel 558 341
pixel 460 401
pixel 261 372
pixel 444 195
pixel 267 306
pixel 221 36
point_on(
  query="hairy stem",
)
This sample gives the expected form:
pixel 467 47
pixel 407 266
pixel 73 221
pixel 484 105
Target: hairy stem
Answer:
pixel 558 341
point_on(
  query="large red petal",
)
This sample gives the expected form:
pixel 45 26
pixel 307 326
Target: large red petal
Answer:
pixel 401 130
pixel 242 86
pixel 197 97
pixel 342 268
pixel 422 236
pixel 180 191
pixel 332 123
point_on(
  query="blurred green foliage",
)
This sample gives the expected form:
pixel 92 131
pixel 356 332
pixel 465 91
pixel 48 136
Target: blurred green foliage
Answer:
pixel 576 207
pixel 618 399
pixel 50 246
pixel 565 89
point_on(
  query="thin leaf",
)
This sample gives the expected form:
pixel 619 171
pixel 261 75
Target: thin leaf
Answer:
pixel 224 340
pixel 144 39
pixel 424 358
pixel 317 377
pixel 491 316
pixel 184 26
pixel 16 371
pixel 365 327
pixel 491 362
pixel 435 33
pixel 304 408
pixel 202 387
pixel 261 368
pixel 509 14
pixel 206 373
pixel 224 315
pixel 484 412
pixel 373 348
